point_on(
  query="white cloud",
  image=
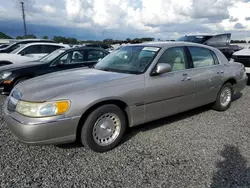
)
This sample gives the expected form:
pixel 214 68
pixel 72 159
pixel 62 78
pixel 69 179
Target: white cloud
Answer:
pixel 49 9
pixel 156 18
pixel 241 11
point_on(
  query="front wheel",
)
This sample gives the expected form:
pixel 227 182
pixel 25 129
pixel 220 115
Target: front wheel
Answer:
pixel 224 98
pixel 103 128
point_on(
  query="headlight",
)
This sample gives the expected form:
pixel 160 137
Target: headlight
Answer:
pixel 5 75
pixel 46 109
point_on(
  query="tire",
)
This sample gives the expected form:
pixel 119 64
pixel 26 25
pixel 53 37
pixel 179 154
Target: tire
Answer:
pixel 19 81
pixel 220 104
pixel 103 128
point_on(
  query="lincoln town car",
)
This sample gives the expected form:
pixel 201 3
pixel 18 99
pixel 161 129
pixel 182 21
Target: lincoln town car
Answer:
pixel 129 87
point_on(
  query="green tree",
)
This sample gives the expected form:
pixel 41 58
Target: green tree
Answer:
pixel 63 40
pixel 45 37
pixel 4 36
pixel 19 37
pixel 72 41
pixel 128 39
pixel 108 41
pixel 147 39
pixel 30 36
pixel 136 40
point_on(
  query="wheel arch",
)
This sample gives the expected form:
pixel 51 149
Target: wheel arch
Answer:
pixel 232 81
pixel 28 76
pixel 121 104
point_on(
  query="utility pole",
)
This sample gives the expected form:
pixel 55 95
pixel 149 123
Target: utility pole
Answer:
pixel 24 22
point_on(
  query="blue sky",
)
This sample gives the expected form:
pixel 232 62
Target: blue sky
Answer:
pixel 120 19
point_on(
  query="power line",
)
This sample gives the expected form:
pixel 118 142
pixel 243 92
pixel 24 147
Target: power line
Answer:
pixel 24 22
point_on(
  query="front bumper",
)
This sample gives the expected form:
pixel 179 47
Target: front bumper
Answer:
pixel 241 84
pixel 36 131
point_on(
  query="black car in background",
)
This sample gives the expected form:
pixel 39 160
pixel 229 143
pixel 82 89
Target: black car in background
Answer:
pixel 58 60
pixel 221 42
pixel 17 44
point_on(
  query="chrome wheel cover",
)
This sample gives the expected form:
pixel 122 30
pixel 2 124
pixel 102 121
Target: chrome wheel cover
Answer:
pixel 106 129
pixel 225 96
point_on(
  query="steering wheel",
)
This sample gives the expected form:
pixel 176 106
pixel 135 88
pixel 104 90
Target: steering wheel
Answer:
pixel 142 63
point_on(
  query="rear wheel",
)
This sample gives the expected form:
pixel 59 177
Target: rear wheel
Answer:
pixel 224 98
pixel 103 128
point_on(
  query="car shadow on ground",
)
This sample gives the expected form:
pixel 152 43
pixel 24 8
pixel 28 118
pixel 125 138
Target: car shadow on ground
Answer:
pixel 131 132
pixel 237 96
pixel 232 171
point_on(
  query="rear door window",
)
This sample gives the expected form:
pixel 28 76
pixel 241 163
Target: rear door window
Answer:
pixel 34 49
pixel 202 57
pixel 50 48
pixel 94 55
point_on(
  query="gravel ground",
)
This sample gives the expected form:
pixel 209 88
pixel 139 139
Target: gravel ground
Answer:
pixel 199 148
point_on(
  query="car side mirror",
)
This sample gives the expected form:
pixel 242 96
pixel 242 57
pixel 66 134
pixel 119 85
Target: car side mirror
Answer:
pixel 162 68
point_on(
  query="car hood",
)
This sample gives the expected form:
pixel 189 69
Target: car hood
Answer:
pixel 46 87
pixel 14 58
pixel 244 52
pixel 19 65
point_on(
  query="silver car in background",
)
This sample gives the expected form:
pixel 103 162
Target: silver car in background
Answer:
pixel 131 86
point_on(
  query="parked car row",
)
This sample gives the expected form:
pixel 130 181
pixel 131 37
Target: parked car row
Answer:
pixel 132 85
pixel 58 60
pixel 17 44
pixel 29 52
pixel 34 49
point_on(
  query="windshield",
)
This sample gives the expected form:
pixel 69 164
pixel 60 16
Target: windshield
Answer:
pixel 195 39
pixel 17 48
pixel 50 57
pixel 129 59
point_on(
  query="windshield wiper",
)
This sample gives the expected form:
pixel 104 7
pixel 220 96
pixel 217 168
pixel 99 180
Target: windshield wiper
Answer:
pixel 118 71
pixel 105 69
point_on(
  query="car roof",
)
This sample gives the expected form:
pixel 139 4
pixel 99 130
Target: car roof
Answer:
pixel 45 43
pixel 85 47
pixel 208 35
pixel 23 40
pixel 169 44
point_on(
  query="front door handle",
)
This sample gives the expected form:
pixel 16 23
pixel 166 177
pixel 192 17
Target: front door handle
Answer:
pixel 220 72
pixel 186 79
